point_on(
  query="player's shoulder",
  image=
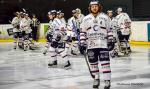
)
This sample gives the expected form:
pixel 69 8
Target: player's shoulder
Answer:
pixel 103 15
pixel 55 20
pixel 119 16
pixel 72 18
pixel 22 19
pixel 87 17
pixel 123 14
pixel 15 18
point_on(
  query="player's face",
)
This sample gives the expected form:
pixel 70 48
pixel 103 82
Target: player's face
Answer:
pixel 34 16
pixel 18 15
pixel 94 9
pixel 59 16
pixel 62 15
pixel 118 12
pixel 54 16
pixel 110 14
pixel 26 16
pixel 50 17
pixel 75 15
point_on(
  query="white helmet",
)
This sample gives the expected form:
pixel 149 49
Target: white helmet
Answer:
pixel 110 11
pixel 94 2
pixel 119 9
pixel 78 10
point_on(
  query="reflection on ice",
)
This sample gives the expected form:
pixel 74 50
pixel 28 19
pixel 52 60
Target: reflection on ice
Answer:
pixel 28 70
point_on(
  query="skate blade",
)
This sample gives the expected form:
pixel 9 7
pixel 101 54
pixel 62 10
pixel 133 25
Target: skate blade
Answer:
pixel 54 66
pixel 67 68
pixel 60 66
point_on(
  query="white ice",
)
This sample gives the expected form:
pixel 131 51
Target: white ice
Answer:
pixel 29 70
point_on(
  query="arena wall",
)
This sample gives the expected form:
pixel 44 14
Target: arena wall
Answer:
pixel 140 31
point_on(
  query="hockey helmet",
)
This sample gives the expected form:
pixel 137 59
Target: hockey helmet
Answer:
pixel 49 13
pixel 74 11
pixel 78 10
pixel 53 12
pixel 95 2
pixel 119 9
pixel 110 11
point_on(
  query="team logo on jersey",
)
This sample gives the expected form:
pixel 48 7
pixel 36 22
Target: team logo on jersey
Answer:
pixel 96 27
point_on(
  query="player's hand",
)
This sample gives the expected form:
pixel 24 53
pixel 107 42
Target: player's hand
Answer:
pixel 111 46
pixel 54 44
pixel 83 48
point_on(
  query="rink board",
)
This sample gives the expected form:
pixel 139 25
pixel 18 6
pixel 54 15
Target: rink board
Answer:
pixel 140 32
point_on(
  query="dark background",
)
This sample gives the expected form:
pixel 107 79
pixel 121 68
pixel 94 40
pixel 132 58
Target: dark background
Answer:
pixel 137 9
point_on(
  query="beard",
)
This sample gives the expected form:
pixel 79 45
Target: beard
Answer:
pixel 95 12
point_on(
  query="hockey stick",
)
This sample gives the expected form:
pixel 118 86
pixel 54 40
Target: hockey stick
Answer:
pixel 10 21
pixel 85 56
pixel 24 10
pixel 126 49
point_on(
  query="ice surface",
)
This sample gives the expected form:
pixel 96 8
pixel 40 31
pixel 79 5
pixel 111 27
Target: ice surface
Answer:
pixel 29 70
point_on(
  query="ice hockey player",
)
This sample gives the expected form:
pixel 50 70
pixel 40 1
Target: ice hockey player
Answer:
pixel 26 32
pixel 34 26
pixel 80 16
pixel 49 33
pixel 59 35
pixel 73 27
pixel 99 39
pixel 124 28
pixel 16 29
pixel 115 51
pixel 62 14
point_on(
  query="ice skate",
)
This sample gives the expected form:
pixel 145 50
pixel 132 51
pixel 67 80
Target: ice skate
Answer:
pixel 44 52
pixel 107 84
pixel 31 48
pixel 96 84
pixel 68 65
pixel 73 53
pixel 54 63
pixel 25 48
pixel 15 47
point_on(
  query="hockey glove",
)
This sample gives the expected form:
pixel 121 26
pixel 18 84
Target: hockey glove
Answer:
pixel 54 44
pixel 111 46
pixel 83 48
pixel 74 39
pixel 49 37
pixel 58 38
pixel 69 39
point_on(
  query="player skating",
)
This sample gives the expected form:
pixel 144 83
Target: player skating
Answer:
pixel 73 32
pixel 26 32
pixel 49 33
pixel 58 38
pixel 16 29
